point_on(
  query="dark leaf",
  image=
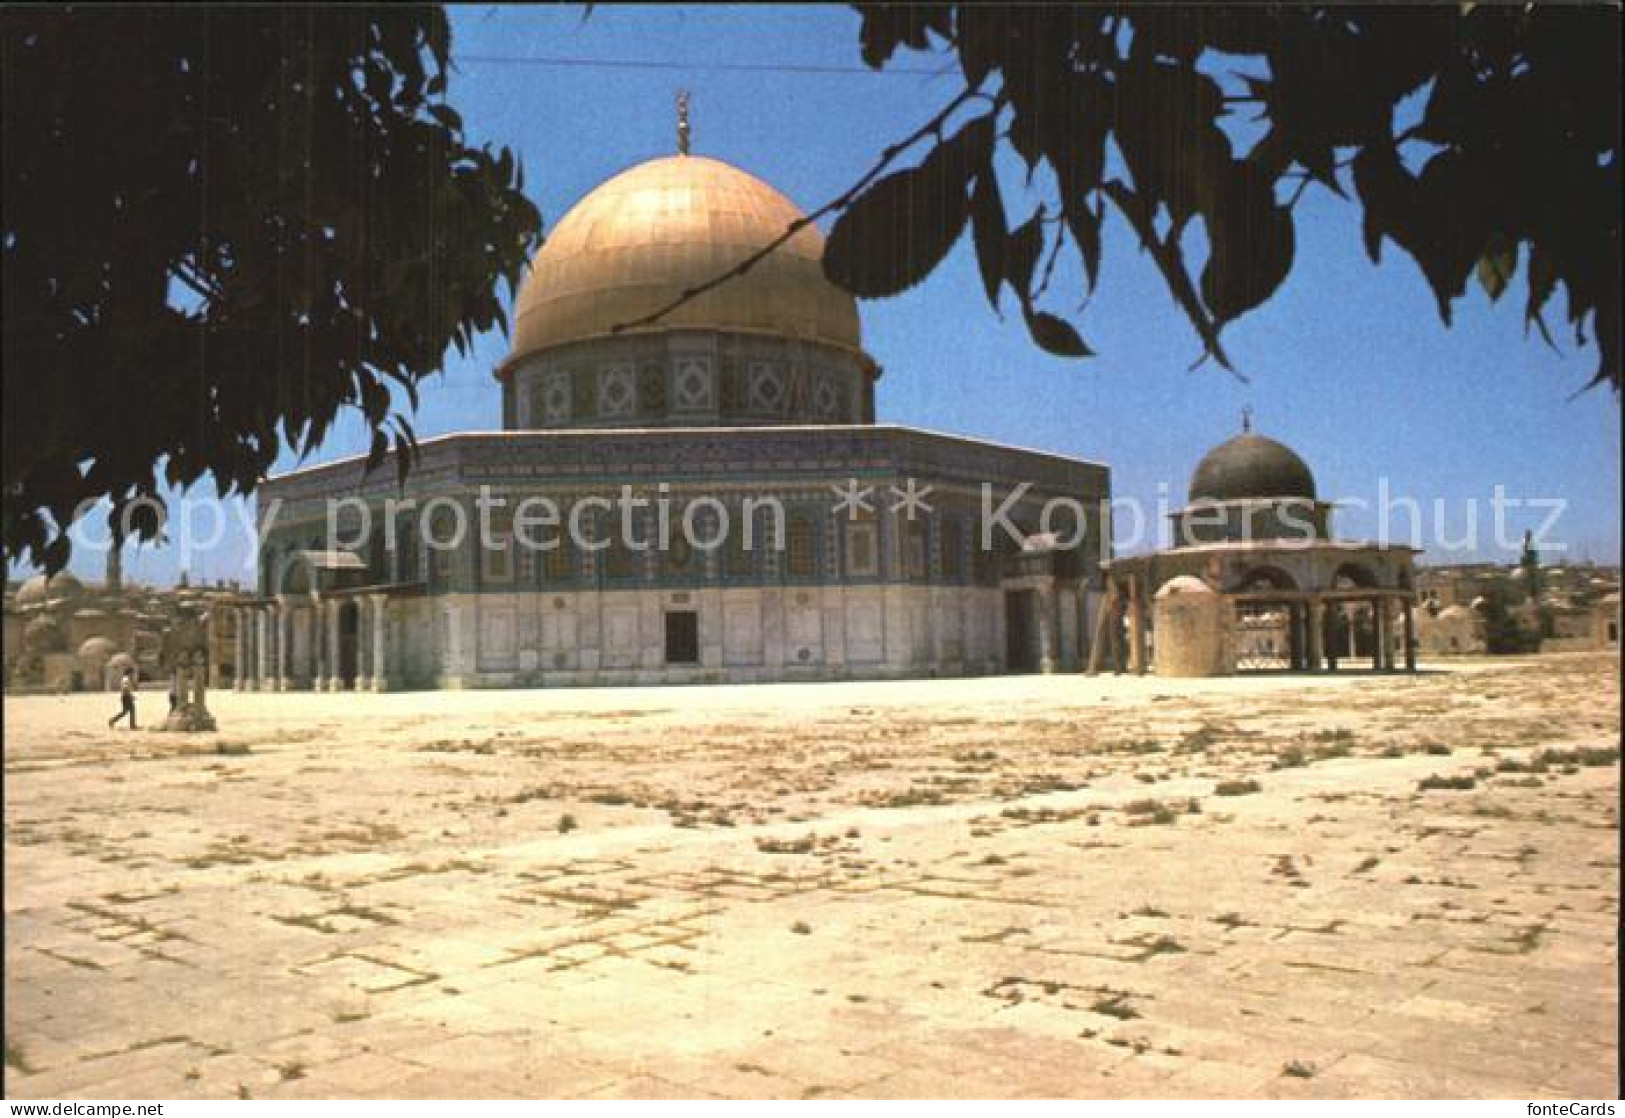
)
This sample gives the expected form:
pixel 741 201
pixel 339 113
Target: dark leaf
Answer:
pixel 1251 246
pixel 898 230
pixel 1083 223
pixel 1497 267
pixel 979 34
pixel 988 232
pixel 1021 251
pixel 889 26
pixel 1542 281
pixel 1056 335
pixel 379 451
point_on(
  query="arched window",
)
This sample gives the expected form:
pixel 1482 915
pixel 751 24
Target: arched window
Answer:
pixel 377 556
pixel 442 540
pixel 742 560
pixel 862 550
pixel 801 544
pixel 915 536
pixel 292 574
pixel 620 561
pixel 1265 578
pixel 950 549
pixel 406 549
pixel 496 552
pixel 269 571
pixel 1354 575
pixel 678 558
pixel 558 561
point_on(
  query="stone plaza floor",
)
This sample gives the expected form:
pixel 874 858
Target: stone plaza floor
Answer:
pixel 1033 886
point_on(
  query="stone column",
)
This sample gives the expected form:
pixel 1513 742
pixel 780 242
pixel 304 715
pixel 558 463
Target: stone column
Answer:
pixel 1085 637
pixel 380 643
pixel 262 649
pixel 239 618
pixel 263 665
pixel 286 678
pixel 363 644
pixel 1044 607
pixel 335 667
pixel 1104 640
pixel 1336 621
pixel 245 634
pixel 1136 626
pixel 1316 613
pixel 273 645
pixel 1384 660
pixel 318 643
pixel 265 660
pixel 1410 638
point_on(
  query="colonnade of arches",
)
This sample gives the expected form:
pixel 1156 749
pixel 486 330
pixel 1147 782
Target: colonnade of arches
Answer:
pixel 1351 620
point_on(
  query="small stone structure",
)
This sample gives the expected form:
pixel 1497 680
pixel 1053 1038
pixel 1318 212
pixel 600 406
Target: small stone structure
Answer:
pixel 1455 630
pixel 1190 626
pixel 1605 621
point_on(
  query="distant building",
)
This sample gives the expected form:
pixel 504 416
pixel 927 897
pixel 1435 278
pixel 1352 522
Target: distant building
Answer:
pixel 63 634
pixel 1568 613
pixel 1605 617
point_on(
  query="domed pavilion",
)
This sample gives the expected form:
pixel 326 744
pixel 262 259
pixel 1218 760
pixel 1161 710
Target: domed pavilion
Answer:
pixel 688 485
pixel 1281 594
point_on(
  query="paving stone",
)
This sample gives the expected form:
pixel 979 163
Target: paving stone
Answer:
pixel 938 890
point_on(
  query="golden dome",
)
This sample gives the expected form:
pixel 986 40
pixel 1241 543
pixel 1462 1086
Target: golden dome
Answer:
pixel 649 234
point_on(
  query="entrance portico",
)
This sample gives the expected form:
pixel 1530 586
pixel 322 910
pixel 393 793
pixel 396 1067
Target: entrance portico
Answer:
pixel 326 630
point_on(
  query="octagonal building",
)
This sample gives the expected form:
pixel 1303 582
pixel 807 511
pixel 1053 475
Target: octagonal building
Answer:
pixel 699 495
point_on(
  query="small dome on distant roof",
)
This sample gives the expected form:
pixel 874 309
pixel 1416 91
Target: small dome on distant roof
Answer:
pixel 97 648
pixel 43 635
pixel 38 590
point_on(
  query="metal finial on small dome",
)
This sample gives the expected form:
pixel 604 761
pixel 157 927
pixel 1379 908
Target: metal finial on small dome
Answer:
pixel 1247 419
pixel 682 122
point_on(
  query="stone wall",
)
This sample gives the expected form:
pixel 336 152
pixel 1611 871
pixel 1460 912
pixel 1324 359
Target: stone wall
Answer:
pixel 745 634
pixel 880 596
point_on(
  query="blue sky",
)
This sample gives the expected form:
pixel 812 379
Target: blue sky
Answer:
pixel 1348 363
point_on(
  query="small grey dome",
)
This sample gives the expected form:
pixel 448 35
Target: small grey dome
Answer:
pixel 1250 467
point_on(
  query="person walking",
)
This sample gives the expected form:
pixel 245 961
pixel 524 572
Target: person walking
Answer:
pixel 126 698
